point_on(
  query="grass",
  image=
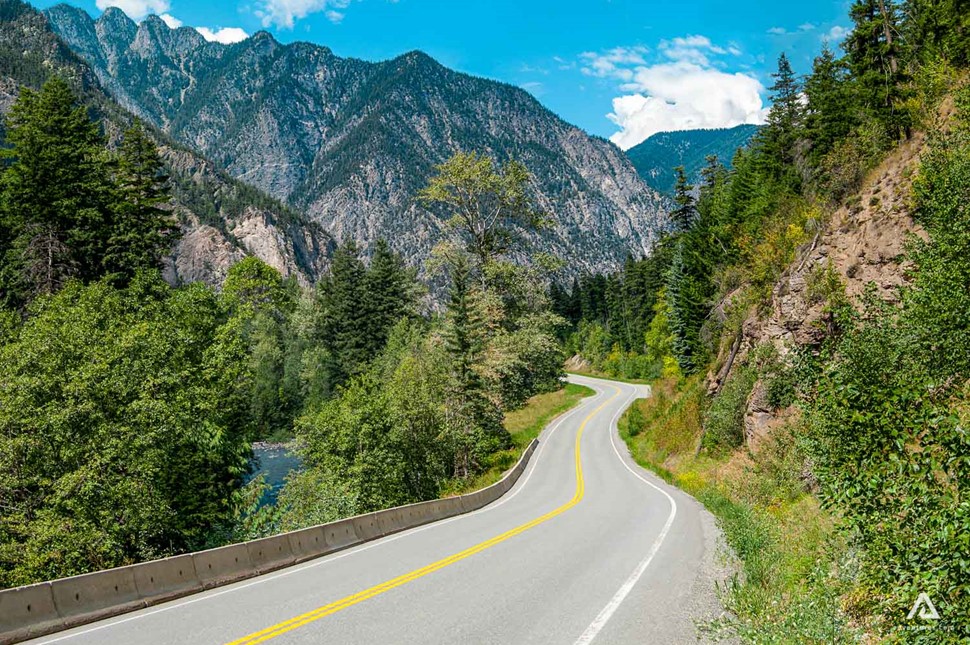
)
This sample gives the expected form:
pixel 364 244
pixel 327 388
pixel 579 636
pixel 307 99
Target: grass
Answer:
pixel 792 579
pixel 524 424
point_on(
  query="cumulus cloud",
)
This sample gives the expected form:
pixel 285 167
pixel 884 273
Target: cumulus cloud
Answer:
pixel 136 9
pixel 224 35
pixel 171 21
pixel 837 33
pixel 686 89
pixel 284 13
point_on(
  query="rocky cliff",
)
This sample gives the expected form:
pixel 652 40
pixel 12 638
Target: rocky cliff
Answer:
pixel 222 219
pixel 351 142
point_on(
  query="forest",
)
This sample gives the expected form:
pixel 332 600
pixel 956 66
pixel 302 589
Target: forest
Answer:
pixel 855 502
pixel 129 407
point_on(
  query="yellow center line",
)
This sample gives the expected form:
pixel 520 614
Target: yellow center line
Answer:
pixel 303 619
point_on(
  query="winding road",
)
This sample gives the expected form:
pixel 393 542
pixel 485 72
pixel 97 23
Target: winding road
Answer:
pixel 587 547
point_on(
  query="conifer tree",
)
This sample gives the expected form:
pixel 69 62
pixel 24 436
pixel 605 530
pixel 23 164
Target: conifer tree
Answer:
pixel 780 134
pixel 142 231
pixel 831 107
pixel 56 193
pixel 874 56
pixel 343 327
pixel 389 287
pixel 684 214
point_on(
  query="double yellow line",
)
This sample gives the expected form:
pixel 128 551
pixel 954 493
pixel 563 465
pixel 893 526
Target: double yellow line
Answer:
pixel 304 619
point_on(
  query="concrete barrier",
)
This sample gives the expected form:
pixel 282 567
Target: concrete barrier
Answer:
pixel 307 544
pixel 271 553
pixel 97 595
pixel 340 535
pixel 26 612
pixel 368 527
pixel 221 566
pixel 43 608
pixel 160 580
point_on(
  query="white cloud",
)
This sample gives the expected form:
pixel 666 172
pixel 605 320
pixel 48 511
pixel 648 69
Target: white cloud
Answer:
pixel 224 35
pixel 837 33
pixel 684 90
pixel 778 31
pixel 284 13
pixel 806 27
pixel 171 21
pixel 136 9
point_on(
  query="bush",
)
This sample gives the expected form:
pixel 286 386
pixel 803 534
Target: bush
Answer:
pixel 724 420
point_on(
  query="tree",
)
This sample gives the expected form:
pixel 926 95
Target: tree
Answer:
pixel 142 232
pixel 56 194
pixel 390 289
pixel 780 133
pixel 831 103
pixel 473 421
pixel 490 204
pixel 686 206
pixel 874 53
pixel 344 326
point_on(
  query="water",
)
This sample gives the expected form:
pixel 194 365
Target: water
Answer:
pixel 276 462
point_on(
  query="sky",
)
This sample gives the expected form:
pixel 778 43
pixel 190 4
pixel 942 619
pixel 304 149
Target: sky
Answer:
pixel 620 69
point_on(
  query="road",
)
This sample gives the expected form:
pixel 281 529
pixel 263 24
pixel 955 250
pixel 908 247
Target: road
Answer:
pixel 587 547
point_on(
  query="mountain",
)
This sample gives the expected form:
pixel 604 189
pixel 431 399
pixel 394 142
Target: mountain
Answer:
pixel 351 142
pixel 222 219
pixel 656 158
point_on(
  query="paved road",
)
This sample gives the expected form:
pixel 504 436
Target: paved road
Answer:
pixel 602 552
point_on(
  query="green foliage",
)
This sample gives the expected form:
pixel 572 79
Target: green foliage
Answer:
pixel 122 428
pixel 724 419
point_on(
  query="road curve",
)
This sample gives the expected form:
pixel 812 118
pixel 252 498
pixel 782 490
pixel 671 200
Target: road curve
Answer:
pixel 587 547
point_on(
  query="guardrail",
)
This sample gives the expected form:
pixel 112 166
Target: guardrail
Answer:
pixel 46 607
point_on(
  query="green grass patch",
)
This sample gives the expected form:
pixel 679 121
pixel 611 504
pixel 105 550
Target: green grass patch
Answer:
pixel 524 424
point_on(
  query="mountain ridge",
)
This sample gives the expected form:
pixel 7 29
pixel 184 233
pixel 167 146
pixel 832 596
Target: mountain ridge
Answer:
pixel 351 142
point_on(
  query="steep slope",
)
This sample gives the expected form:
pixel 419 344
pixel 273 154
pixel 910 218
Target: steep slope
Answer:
pixel 223 220
pixel 656 158
pixel 351 142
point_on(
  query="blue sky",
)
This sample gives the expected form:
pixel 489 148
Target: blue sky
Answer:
pixel 621 69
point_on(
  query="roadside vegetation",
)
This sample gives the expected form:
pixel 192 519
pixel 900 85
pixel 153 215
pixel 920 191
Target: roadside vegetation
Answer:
pixel 128 407
pixel 853 501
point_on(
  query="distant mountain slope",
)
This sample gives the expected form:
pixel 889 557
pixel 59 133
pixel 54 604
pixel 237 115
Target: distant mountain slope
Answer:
pixel 223 220
pixel 352 142
pixel 656 158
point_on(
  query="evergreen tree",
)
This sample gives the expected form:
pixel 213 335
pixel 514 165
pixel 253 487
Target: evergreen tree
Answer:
pixel 686 210
pixel 780 133
pixel 344 324
pixel 475 422
pixel 56 194
pixel 389 288
pixel 142 231
pixel 831 104
pixel 874 56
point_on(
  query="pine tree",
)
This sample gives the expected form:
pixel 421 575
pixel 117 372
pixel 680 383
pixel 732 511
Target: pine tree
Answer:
pixel 831 105
pixel 874 56
pixel 56 193
pixel 474 420
pixel 780 133
pixel 389 291
pixel 344 326
pixel 142 231
pixel 686 210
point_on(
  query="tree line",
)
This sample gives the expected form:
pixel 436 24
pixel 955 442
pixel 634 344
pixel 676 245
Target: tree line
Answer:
pixel 128 407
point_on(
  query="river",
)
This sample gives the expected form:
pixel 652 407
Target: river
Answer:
pixel 276 462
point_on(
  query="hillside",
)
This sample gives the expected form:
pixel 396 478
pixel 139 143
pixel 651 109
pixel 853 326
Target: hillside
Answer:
pixel 223 220
pixel 656 158
pixel 351 142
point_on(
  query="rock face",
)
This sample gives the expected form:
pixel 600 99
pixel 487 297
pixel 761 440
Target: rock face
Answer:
pixel 351 142
pixel 222 219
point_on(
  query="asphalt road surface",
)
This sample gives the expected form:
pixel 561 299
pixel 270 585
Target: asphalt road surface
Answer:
pixel 587 547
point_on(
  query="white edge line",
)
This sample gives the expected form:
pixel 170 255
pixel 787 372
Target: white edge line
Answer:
pixel 176 604
pixel 607 612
